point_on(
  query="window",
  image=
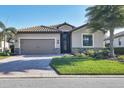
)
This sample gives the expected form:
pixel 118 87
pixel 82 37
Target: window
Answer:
pixel 87 40
pixel 119 42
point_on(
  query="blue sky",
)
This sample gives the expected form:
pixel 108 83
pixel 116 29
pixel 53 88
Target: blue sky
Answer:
pixel 26 16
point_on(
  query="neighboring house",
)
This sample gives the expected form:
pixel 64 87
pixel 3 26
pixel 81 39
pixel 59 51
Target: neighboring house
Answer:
pixel 118 40
pixel 2 44
pixel 56 39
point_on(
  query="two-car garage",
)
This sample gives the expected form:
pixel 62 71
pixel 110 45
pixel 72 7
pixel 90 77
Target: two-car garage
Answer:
pixel 37 40
pixel 37 46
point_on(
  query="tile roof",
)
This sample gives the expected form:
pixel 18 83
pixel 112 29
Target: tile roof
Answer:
pixel 52 28
pixel 39 29
pixel 119 34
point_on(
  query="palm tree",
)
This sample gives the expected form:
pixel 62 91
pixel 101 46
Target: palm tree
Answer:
pixel 7 34
pixel 106 18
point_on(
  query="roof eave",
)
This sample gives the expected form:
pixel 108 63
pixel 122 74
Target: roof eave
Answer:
pixel 84 25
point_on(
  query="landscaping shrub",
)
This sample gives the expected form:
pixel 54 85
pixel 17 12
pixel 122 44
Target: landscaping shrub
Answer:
pixel 121 57
pixel 90 52
pixel 102 54
pixel 80 55
pixel 95 53
pixel 119 51
pixel 6 53
pixel 67 55
pixel 99 54
pixel 1 54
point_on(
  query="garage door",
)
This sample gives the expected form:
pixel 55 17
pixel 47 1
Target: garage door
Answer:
pixel 37 46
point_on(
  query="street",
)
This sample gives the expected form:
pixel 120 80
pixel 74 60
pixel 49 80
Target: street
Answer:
pixel 62 83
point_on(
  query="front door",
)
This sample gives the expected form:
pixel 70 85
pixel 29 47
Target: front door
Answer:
pixel 65 42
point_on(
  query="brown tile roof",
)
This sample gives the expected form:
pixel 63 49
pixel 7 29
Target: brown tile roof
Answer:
pixel 52 28
pixel 39 29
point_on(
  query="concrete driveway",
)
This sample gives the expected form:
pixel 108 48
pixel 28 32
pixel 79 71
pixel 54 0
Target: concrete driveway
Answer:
pixel 27 66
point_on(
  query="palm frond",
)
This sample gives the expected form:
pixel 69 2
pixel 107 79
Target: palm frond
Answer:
pixel 104 17
pixel 11 29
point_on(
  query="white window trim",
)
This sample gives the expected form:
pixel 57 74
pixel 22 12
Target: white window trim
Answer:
pixel 19 39
pixel 82 40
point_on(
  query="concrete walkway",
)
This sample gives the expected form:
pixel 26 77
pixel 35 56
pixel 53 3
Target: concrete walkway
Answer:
pixel 27 66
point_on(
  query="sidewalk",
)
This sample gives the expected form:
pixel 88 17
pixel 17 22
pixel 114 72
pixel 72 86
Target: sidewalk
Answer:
pixel 60 76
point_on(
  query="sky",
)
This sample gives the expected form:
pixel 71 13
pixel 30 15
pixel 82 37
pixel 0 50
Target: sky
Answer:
pixel 27 16
pixel 22 16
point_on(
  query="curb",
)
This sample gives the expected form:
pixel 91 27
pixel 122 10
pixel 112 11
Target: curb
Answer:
pixel 64 76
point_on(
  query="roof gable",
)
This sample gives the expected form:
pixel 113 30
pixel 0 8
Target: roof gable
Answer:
pixel 84 25
pixel 59 25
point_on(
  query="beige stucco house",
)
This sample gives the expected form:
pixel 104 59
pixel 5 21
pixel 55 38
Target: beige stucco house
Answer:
pixel 56 39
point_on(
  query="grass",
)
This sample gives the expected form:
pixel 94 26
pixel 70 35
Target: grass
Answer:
pixel 3 57
pixel 87 66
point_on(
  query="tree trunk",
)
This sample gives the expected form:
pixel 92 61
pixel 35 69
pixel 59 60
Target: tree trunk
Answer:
pixel 111 43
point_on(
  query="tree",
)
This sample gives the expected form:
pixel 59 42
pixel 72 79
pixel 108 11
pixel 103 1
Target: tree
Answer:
pixel 106 18
pixel 8 33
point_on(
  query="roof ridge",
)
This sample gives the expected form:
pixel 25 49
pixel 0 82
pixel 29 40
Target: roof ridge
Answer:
pixel 48 27
pixel 37 26
pixel 61 24
pixel 40 28
pixel 28 27
pixel 79 27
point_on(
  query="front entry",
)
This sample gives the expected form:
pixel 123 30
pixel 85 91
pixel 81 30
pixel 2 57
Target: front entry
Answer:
pixel 65 42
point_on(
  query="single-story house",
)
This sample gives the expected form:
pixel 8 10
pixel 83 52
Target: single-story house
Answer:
pixel 56 39
pixel 118 40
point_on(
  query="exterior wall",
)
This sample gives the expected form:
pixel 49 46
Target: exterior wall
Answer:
pixel 116 41
pixel 65 28
pixel 55 36
pixel 77 39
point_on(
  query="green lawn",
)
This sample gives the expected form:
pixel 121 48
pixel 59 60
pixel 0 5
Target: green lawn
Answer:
pixel 85 66
pixel 2 57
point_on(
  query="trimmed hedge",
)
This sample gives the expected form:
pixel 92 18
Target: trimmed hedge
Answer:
pixel 119 50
